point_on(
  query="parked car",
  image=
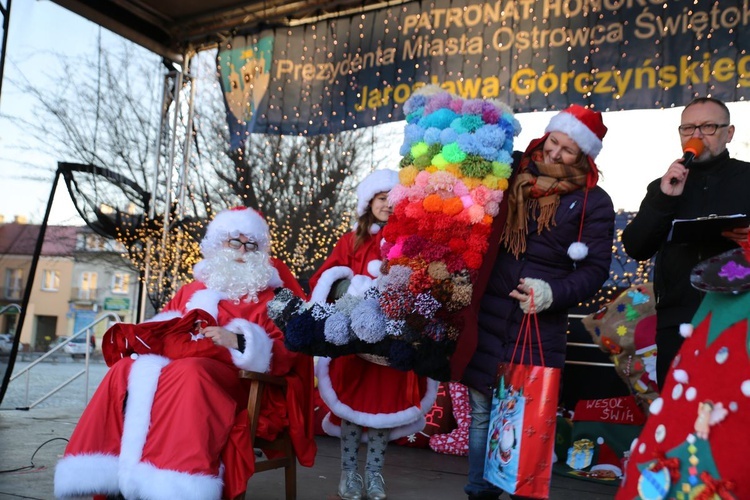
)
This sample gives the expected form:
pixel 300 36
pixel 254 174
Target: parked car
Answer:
pixel 77 347
pixel 6 343
pixel 57 342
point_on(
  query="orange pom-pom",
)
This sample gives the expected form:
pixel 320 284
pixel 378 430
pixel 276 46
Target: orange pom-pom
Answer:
pixel 487 220
pixel 433 203
pixel 407 175
pixel 453 169
pixel 452 206
pixel 471 182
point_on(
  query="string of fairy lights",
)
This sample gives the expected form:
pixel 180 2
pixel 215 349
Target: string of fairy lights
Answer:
pixel 313 236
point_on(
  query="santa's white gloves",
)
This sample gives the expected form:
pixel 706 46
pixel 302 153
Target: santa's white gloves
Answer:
pixel 542 294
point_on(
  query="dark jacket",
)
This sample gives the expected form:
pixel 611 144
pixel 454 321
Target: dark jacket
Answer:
pixel 718 186
pixel 545 258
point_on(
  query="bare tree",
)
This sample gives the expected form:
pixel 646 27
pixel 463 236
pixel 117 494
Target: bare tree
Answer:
pixel 107 112
pixel 303 185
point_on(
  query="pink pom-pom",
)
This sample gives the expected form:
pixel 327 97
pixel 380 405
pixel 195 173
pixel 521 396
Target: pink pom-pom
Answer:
pixel 422 179
pixel 492 209
pixel 398 193
pixel 578 250
pixel 460 189
pixel 467 201
pixel 395 251
pixel 476 213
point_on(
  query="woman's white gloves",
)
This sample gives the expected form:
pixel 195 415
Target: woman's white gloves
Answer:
pixel 542 294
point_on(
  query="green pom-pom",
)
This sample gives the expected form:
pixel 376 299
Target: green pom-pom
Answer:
pixel 407 160
pixel 419 148
pixel 501 170
pixel 422 162
pixel 434 149
pixel 439 161
pixel 475 166
pixel 453 153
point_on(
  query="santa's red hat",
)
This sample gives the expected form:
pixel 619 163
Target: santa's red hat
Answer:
pixel 234 222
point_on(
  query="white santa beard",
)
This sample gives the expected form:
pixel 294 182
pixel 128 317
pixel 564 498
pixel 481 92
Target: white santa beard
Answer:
pixel 222 272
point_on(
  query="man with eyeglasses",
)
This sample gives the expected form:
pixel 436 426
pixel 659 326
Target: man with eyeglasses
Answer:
pixel 167 421
pixel 714 183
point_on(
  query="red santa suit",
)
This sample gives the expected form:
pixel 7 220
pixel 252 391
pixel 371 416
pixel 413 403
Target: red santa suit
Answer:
pixel 170 421
pixel 365 393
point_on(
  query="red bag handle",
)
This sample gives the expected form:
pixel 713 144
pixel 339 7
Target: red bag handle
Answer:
pixel 525 332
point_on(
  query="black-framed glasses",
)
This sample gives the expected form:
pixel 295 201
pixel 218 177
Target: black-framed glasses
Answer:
pixel 235 244
pixel 706 128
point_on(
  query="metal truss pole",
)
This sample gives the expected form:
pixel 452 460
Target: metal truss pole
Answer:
pixel 5 11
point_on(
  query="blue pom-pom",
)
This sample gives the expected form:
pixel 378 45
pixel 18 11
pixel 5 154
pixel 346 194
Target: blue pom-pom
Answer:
pixel 298 331
pixel 448 135
pixel 441 118
pixel 414 102
pixel 413 133
pixel 337 329
pixel 432 136
pixel 368 321
pixel 401 355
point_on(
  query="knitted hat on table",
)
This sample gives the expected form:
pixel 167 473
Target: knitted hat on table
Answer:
pixel 586 128
pixel 380 181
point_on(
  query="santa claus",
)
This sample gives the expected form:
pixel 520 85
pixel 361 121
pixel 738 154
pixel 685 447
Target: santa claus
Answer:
pixel 169 420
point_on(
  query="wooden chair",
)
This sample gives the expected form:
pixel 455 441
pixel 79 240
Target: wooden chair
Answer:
pixel 283 441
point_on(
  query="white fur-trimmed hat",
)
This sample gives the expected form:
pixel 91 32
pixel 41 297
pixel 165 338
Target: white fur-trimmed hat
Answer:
pixel 583 125
pixel 380 181
pixel 232 223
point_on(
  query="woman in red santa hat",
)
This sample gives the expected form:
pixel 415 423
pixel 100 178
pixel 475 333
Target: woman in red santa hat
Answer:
pixel 169 421
pixel 390 403
pixel 556 242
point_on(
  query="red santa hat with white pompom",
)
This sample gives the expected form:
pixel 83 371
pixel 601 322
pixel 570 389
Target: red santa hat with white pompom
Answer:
pixel 586 127
pixel 607 459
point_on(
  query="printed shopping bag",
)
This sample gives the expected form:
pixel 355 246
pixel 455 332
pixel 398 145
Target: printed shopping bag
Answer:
pixel 522 425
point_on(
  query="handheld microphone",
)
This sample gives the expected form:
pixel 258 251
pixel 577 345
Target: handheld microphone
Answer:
pixel 692 149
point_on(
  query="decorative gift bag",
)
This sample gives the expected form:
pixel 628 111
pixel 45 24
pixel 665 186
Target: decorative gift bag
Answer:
pixel 522 423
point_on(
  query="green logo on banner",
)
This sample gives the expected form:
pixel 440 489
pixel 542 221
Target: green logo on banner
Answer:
pixel 245 74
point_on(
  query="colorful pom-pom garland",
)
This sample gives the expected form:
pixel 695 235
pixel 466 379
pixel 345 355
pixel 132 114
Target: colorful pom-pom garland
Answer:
pixel 456 164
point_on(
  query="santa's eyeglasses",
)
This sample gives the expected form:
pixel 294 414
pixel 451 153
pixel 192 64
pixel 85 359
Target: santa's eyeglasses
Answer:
pixel 235 244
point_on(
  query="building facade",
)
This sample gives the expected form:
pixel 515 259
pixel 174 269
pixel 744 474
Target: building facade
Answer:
pixel 79 276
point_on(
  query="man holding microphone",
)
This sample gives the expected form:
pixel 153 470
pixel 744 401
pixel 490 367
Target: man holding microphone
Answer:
pixel 704 182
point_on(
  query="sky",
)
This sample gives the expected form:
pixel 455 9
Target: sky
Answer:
pixel 638 148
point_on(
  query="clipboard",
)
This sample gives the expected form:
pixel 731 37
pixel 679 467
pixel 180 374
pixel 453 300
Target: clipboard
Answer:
pixel 707 228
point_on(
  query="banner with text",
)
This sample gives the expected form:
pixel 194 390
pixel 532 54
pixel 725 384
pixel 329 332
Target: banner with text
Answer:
pixel 357 71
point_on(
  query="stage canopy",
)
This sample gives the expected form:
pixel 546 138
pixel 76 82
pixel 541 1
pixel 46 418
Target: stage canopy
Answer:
pixel 173 27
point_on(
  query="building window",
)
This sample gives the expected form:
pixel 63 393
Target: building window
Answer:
pixel 51 280
pixel 88 286
pixel 13 283
pixel 120 283
pixel 94 242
